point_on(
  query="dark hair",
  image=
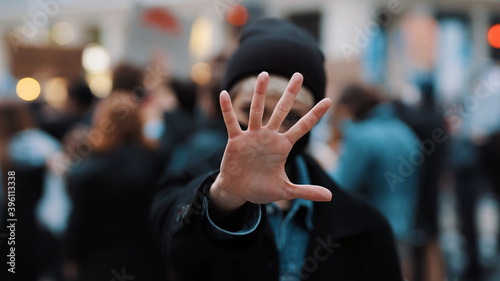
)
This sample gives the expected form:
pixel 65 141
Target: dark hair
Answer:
pixel 79 91
pixel 127 77
pixel 122 112
pixel 185 91
pixel 359 99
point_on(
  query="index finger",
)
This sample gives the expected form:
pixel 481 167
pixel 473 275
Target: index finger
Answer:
pixel 307 122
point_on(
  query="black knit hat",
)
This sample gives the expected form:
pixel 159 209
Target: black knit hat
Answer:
pixel 280 48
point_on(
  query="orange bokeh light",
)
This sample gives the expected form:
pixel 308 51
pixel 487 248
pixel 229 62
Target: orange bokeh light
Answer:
pixel 237 15
pixel 494 36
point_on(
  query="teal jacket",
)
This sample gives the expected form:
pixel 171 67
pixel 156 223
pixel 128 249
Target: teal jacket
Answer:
pixel 380 158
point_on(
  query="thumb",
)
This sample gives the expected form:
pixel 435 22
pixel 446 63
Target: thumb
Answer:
pixel 309 192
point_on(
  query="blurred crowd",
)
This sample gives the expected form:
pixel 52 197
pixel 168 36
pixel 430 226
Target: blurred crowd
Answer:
pixel 86 172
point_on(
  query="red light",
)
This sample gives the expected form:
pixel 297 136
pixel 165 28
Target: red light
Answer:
pixel 237 15
pixel 494 36
pixel 162 19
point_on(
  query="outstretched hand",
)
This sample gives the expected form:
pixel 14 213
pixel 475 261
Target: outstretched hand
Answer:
pixel 253 165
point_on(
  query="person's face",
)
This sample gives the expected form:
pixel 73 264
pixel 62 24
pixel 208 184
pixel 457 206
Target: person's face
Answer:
pixel 243 100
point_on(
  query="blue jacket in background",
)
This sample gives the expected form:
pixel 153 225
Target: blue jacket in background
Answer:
pixel 380 159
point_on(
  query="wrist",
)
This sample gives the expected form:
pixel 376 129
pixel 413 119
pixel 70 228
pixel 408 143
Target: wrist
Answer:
pixel 223 200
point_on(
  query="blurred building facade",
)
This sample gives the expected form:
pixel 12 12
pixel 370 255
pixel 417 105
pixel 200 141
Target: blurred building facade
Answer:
pixel 406 39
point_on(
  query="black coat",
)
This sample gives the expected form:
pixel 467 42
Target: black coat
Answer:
pixel 107 230
pixel 31 241
pixel 424 122
pixel 351 240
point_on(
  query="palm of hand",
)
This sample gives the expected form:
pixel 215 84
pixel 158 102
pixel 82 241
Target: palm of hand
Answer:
pixel 253 165
pixel 256 160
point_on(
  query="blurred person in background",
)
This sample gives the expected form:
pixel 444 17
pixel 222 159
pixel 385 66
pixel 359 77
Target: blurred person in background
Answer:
pixel 25 150
pixel 490 163
pixel 490 141
pixel 77 142
pixel 71 127
pixel 185 91
pixel 427 121
pixel 247 221
pixel 76 111
pixel 209 132
pixel 472 157
pixel 375 160
pixel 111 192
pixel 175 101
pixel 464 161
pixel 127 78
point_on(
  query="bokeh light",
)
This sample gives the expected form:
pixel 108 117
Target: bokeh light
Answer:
pixel 56 92
pixel 63 33
pixel 100 84
pixel 201 73
pixel 494 36
pixel 200 41
pixel 237 15
pixel 28 89
pixel 95 58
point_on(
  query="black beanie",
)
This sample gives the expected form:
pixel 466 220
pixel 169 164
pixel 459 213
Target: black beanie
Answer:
pixel 280 48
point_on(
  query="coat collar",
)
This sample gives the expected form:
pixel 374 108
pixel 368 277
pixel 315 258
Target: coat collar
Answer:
pixel 345 215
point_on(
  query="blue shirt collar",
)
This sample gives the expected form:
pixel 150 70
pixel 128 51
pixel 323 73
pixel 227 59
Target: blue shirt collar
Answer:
pixel 303 178
pixel 297 204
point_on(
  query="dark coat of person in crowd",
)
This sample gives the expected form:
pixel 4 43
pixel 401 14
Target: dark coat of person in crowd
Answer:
pixel 24 151
pixel 111 191
pixel 490 160
pixel 213 224
pixel 427 122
